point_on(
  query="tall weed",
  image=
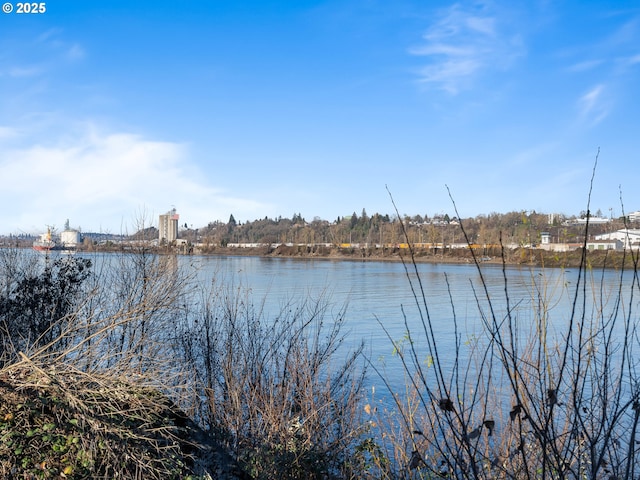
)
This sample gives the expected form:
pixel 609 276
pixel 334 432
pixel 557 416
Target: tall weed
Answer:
pixel 535 395
pixel 278 390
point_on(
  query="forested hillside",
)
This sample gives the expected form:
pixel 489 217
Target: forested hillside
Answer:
pixel 513 228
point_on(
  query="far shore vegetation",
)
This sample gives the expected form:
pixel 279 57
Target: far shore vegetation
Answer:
pixel 515 238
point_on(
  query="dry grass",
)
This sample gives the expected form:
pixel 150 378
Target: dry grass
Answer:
pixel 57 421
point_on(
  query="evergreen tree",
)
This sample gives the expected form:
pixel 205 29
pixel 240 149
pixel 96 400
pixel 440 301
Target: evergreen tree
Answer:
pixel 354 220
pixel 232 224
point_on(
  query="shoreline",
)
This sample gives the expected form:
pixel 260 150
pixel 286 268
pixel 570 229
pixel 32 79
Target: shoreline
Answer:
pixel 518 257
pixel 491 256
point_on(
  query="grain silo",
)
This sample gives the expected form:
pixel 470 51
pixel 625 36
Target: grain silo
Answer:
pixel 70 238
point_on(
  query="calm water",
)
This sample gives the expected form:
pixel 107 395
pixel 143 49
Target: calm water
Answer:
pixel 380 292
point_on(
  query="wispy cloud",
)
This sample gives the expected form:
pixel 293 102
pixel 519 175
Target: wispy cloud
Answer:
pixel 625 35
pixel 75 52
pixel 534 155
pixel 49 34
pixel 39 56
pixel 616 51
pixel 584 66
pixel 630 61
pixel 100 180
pixel 590 99
pixel 7 133
pixel 592 105
pixel 18 72
pixel 463 43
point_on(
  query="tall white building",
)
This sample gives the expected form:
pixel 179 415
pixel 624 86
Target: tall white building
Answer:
pixel 168 226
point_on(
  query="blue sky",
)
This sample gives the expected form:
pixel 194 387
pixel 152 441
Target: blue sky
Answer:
pixel 115 111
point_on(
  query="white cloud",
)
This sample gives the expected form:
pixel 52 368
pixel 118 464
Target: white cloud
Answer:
pixel 100 180
pixel 590 99
pixel 593 108
pixel 464 43
pixel 450 74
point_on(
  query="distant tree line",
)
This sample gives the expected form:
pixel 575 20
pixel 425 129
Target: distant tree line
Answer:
pixel 512 228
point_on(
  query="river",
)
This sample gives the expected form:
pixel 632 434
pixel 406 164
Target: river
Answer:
pixel 381 294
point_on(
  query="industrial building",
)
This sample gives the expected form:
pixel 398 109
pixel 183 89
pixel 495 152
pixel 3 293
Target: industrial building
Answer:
pixel 70 238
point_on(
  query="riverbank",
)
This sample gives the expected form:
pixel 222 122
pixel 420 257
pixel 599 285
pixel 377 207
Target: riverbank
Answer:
pixel 520 256
pixel 490 255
